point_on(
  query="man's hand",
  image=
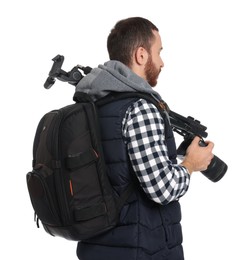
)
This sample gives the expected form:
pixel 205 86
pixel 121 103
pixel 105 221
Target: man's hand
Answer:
pixel 198 157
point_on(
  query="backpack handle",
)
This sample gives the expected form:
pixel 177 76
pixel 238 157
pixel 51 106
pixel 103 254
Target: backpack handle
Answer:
pixel 81 97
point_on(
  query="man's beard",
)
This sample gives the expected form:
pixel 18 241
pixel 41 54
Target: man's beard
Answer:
pixel 151 72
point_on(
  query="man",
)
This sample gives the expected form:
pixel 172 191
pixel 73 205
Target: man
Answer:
pixel 139 148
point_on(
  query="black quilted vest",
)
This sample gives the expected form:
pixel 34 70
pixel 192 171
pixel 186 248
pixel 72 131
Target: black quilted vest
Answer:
pixel 147 230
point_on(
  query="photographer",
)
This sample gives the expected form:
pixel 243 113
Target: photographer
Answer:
pixel 138 148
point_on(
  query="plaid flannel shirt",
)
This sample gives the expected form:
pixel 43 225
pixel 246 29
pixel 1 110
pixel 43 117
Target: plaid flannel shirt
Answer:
pixel 144 133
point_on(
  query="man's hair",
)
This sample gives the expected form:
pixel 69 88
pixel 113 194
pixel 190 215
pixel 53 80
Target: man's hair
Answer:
pixel 128 35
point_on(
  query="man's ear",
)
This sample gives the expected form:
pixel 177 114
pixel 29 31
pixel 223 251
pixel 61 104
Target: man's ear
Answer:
pixel 141 56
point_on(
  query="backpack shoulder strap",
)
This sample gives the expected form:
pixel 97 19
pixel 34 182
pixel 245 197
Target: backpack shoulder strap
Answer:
pixel 160 104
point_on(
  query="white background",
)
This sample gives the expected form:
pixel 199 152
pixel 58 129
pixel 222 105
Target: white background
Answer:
pixel 207 55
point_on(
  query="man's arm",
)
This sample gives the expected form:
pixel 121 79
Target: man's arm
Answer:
pixel 143 129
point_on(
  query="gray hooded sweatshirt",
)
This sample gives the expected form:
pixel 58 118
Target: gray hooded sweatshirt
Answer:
pixel 113 76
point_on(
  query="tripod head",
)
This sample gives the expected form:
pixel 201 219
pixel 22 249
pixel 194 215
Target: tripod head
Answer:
pixel 72 77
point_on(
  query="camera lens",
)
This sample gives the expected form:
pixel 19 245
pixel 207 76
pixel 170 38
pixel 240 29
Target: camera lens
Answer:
pixel 216 169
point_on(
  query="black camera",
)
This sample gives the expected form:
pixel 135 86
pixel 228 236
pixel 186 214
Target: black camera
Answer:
pixel 188 127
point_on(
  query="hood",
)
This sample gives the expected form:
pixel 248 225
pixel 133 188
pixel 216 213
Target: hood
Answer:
pixel 113 76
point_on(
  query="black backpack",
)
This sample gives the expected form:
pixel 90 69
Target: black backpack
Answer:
pixel 68 186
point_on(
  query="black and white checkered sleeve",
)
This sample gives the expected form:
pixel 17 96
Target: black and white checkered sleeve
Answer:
pixel 143 129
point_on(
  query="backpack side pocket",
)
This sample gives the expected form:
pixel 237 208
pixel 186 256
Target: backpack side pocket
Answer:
pixel 43 201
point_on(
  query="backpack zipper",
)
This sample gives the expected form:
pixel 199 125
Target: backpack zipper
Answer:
pixel 59 178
